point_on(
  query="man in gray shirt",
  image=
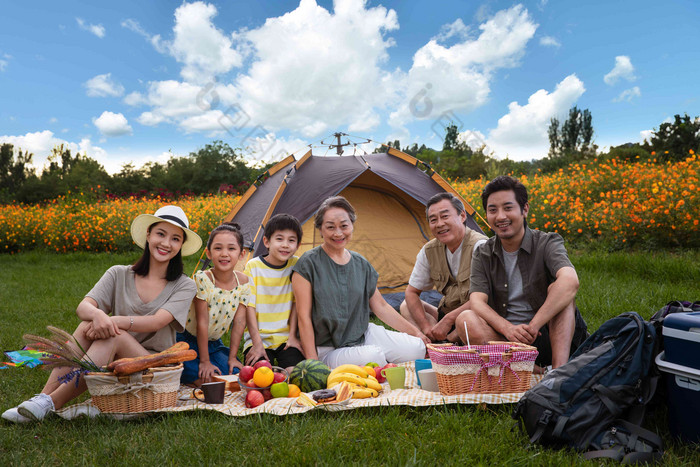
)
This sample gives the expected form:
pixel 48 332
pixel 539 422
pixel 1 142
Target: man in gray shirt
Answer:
pixel 523 284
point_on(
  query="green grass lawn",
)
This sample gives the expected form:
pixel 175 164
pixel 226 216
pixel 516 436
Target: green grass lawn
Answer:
pixel 39 289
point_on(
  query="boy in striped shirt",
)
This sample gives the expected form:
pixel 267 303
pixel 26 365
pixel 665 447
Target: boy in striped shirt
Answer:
pixel 272 323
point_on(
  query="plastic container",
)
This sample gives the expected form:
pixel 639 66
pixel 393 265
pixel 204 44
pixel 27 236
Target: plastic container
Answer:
pixel 683 401
pixel 681 333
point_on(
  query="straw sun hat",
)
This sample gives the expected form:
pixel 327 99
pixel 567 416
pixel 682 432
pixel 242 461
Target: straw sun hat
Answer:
pixel 173 215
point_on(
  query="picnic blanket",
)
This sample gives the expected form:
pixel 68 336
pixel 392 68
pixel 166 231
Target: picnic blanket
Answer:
pixel 234 403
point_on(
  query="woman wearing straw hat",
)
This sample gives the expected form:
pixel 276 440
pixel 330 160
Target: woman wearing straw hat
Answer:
pixel 133 310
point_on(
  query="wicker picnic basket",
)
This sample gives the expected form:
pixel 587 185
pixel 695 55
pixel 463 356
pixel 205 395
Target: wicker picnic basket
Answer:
pixel 152 389
pixel 495 368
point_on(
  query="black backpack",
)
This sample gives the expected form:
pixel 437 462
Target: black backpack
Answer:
pixel 676 306
pixel 608 378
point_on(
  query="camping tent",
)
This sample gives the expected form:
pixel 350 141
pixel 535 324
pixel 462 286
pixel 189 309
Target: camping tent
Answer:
pixel 389 192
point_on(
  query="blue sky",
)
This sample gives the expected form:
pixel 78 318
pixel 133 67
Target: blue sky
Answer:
pixel 142 81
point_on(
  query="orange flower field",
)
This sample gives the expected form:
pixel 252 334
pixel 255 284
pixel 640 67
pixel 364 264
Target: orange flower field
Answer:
pixel 614 202
pixel 617 204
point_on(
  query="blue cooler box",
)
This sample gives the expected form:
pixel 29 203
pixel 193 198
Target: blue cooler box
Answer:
pixel 683 402
pixel 681 333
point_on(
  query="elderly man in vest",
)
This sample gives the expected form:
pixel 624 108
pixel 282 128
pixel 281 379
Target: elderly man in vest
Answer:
pixel 444 263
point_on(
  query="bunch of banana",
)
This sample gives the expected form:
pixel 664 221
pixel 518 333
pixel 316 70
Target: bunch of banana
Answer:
pixel 363 384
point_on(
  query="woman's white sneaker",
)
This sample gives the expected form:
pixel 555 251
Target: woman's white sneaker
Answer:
pixel 12 415
pixel 37 407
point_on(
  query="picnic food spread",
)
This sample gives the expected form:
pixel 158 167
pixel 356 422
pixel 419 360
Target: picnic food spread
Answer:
pixel 310 375
pixel 178 353
pixel 324 395
pixel 362 384
pixel 340 394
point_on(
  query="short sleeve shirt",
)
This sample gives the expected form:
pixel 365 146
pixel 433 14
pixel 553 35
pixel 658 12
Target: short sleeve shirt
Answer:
pixel 115 294
pixel 540 257
pixel 340 296
pixel 221 304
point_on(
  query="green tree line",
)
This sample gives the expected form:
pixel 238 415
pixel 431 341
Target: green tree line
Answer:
pixel 215 167
pixel 570 141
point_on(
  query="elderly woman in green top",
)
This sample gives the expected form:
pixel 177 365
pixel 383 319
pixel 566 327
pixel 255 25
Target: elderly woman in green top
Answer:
pixel 335 289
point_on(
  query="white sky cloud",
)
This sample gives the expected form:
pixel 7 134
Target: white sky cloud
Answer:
pixel 103 86
pixel 112 124
pixel 3 65
pixel 623 69
pixel 475 140
pixel 154 39
pixel 135 99
pixel 522 133
pixel 41 143
pixel 331 64
pixel 646 135
pixel 628 94
pixel 549 41
pixel 96 29
pixel 457 78
pixel 455 29
pixel 268 147
pixel 345 49
pixel 204 50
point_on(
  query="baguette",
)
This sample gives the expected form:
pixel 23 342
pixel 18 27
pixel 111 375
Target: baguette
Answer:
pixel 179 346
pixel 159 359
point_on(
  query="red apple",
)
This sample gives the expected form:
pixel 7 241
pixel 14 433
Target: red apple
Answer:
pixel 246 373
pixel 253 399
pixel 378 374
pixel 279 377
pixel 267 395
pixel 390 365
pixel 260 363
pixel 251 383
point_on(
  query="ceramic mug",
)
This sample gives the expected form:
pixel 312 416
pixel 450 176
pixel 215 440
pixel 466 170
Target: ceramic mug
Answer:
pixel 213 392
pixel 422 364
pixel 396 376
pixel 428 380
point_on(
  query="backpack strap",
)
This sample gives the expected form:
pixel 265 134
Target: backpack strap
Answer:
pixel 642 457
pixel 542 424
pixel 628 453
pixel 559 427
pixel 617 454
pixel 607 397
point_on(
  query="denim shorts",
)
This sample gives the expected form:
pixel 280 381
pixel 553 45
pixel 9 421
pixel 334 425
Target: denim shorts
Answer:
pixel 218 356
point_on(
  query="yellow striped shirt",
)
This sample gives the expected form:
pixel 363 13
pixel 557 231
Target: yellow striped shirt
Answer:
pixel 273 300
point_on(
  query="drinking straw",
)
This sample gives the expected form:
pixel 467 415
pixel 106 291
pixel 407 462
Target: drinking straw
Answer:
pixel 467 333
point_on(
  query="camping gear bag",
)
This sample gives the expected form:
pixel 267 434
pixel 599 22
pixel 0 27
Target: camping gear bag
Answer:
pixel 495 368
pixel 607 378
pixel 152 389
pixel 673 307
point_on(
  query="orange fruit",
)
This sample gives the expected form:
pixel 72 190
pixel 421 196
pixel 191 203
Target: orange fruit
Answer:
pixel 294 390
pixel 263 377
pixel 369 370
